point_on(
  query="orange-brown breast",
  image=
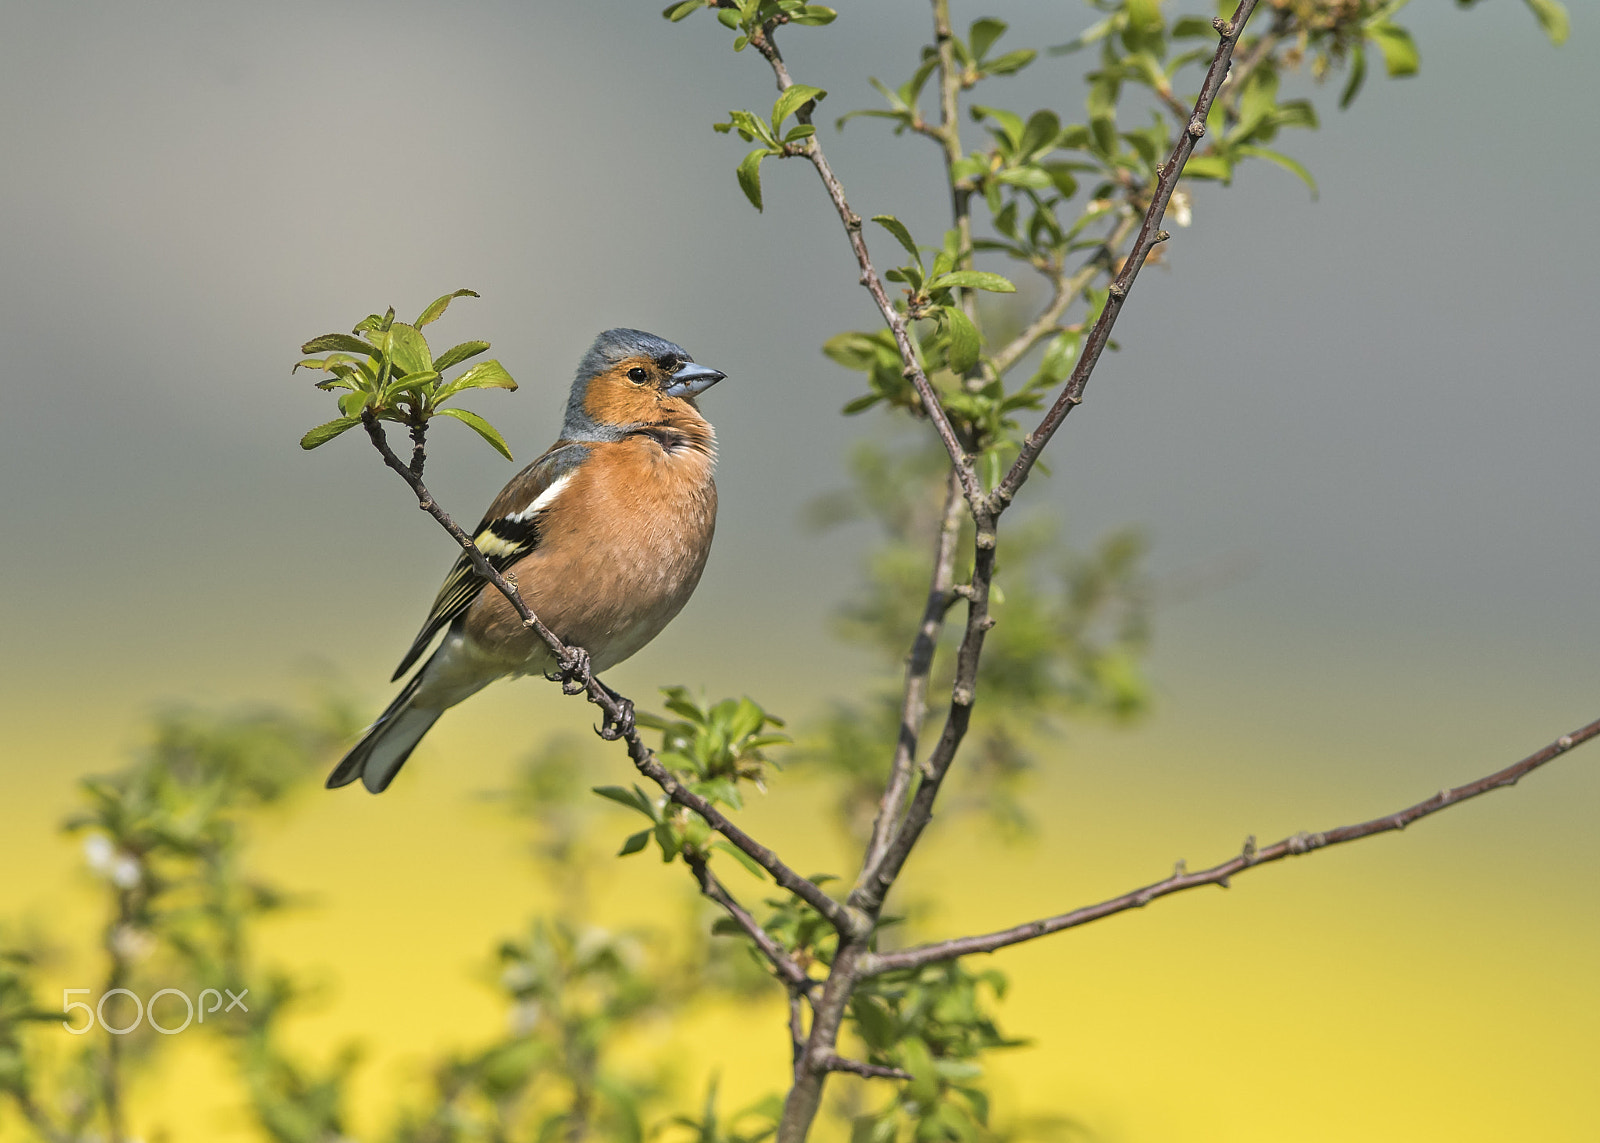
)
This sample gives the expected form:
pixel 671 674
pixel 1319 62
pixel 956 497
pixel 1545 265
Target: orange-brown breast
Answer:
pixel 619 554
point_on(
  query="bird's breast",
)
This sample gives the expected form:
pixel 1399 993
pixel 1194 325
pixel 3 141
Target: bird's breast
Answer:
pixel 619 555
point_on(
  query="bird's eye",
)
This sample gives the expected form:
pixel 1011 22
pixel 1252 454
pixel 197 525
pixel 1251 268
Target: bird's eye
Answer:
pixel 638 376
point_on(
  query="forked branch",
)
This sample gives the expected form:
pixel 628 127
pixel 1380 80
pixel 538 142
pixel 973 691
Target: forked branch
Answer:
pixel 1222 874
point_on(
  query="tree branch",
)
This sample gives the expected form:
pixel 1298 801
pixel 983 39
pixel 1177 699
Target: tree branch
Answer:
pixel 870 1071
pixel 574 662
pixel 1149 234
pixel 788 970
pixel 812 150
pixel 919 667
pixel 1250 858
pixel 874 887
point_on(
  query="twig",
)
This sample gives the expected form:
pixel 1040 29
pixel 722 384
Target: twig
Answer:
pixel 1149 234
pixel 575 661
pixel 812 150
pixel 857 1067
pixel 949 137
pixel 785 965
pixel 1250 858
pixel 874 886
pixel 797 1032
pixel 1064 290
pixel 919 666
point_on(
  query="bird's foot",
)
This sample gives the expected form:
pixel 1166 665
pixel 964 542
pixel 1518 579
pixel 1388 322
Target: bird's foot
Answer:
pixel 573 671
pixel 612 729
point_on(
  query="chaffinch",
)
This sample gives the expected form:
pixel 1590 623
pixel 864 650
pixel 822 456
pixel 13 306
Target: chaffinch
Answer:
pixel 604 536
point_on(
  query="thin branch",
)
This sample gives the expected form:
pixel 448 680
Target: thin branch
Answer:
pixel 874 887
pixel 919 667
pixel 574 661
pixel 949 137
pixel 788 970
pixel 810 149
pixel 797 1032
pixel 870 1071
pixel 1149 234
pixel 1283 21
pixel 1064 291
pixel 1250 858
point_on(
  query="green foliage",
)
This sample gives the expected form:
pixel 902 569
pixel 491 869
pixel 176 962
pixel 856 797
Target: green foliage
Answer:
pixel 386 370
pixel 1071 633
pixel 713 748
pixel 796 100
pixel 936 1024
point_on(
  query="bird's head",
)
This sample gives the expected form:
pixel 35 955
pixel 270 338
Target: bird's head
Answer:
pixel 629 379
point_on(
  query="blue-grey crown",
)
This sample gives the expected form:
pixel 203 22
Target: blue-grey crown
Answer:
pixel 610 347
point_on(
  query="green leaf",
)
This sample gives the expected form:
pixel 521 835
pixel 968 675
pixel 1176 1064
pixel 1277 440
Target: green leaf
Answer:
pixel 637 841
pixel 853 349
pixel 964 340
pixel 456 354
pixel 861 404
pixel 814 15
pixel 1192 27
pixel 792 99
pixel 411 383
pixel 408 349
pixel 1208 167
pixel 750 176
pixel 1283 161
pixel 973 280
pixel 322 434
pixel 339 341
pixel 1144 15
pixel 1399 52
pixel 983 35
pixel 1040 134
pixel 676 12
pixel 480 426
pixel 1011 62
pixel 1552 16
pixel 435 311
pixel 634 798
pixel 484 375
pixel 1010 123
pixel 916 1059
pixel 742 858
pixel 1358 75
pixel 901 235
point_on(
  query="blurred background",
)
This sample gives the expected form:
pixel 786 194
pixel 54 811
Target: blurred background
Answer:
pixel 1357 431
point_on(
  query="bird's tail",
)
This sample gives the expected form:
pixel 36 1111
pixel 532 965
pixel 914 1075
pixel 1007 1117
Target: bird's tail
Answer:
pixel 388 742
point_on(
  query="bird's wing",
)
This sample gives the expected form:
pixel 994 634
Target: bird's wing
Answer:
pixel 508 531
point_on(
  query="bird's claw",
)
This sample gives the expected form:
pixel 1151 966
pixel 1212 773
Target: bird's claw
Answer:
pixel 573 671
pixel 612 729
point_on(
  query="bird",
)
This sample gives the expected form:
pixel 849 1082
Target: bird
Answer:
pixel 604 536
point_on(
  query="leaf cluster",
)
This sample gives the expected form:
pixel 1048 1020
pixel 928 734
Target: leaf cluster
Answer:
pixel 386 371
pixel 936 1024
pixel 797 100
pixel 714 748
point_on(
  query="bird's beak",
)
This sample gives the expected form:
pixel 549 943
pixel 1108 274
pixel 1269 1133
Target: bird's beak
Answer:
pixel 692 380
